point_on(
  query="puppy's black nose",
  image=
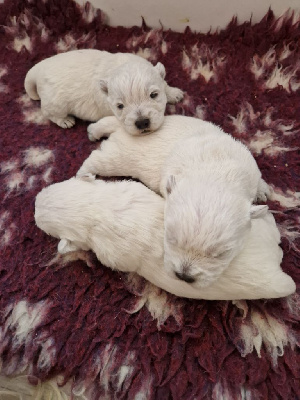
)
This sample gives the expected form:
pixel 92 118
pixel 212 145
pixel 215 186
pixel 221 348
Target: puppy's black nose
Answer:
pixel 142 123
pixel 184 277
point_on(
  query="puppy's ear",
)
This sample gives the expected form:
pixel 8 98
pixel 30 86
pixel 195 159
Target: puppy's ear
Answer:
pixel 160 69
pixel 103 86
pixel 171 183
pixel 258 211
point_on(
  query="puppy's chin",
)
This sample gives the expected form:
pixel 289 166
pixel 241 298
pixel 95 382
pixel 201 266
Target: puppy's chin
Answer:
pixel 145 132
pixel 139 132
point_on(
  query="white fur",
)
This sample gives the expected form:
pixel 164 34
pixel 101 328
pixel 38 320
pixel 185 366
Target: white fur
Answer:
pixel 90 84
pixel 122 222
pixel 209 180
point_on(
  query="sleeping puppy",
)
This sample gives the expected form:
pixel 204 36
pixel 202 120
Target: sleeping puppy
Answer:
pixel 90 84
pixel 209 180
pixel 123 223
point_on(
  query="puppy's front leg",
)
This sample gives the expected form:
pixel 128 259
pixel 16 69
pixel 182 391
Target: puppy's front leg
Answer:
pixel 263 191
pixel 66 246
pixel 107 161
pixel 174 95
pixel 102 128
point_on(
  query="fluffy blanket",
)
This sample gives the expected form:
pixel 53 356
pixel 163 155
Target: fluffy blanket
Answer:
pixel 114 336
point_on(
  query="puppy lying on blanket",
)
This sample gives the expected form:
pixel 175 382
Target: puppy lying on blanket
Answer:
pixel 91 84
pixel 209 181
pixel 122 222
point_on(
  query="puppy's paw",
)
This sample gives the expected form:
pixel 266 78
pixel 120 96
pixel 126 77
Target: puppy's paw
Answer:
pixel 65 123
pixel 102 128
pixel 66 246
pixel 91 130
pixel 263 192
pixel 88 177
pixel 174 95
pixel 261 197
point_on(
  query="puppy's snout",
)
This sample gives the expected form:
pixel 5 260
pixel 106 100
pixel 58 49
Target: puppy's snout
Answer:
pixel 142 123
pixel 185 277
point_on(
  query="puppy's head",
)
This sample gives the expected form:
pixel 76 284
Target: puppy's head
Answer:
pixel 136 94
pixel 205 228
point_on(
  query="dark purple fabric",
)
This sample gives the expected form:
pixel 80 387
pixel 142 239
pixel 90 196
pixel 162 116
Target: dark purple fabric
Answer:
pixel 88 312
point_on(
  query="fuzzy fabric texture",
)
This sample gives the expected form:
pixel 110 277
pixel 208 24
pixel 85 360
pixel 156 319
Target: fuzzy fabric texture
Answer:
pixel 115 336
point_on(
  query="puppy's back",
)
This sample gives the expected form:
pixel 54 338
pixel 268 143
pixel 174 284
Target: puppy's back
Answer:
pixel 72 68
pixel 215 156
pixel 30 83
pixel 122 222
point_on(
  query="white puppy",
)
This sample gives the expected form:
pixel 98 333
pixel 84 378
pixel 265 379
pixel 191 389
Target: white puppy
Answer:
pixel 122 222
pixel 90 84
pixel 209 179
pixel 210 183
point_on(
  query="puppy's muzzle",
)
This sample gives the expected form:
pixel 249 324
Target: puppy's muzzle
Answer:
pixel 185 277
pixel 143 123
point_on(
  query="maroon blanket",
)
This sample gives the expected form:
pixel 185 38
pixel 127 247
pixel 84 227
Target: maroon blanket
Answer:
pixel 117 338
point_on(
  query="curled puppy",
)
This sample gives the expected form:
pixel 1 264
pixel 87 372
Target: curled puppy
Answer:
pixel 122 222
pixel 209 180
pixel 210 184
pixel 90 84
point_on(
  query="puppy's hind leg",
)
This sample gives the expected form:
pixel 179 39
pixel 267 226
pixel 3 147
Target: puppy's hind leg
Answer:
pixel 63 122
pixel 57 115
pixel 102 128
pixel 174 95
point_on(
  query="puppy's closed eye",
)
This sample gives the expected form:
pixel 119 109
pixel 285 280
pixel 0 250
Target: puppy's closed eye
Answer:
pixel 223 254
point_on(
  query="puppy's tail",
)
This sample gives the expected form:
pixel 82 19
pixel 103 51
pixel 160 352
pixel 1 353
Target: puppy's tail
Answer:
pixel 30 84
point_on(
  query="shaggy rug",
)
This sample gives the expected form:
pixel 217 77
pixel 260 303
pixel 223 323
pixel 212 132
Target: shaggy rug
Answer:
pixel 113 336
